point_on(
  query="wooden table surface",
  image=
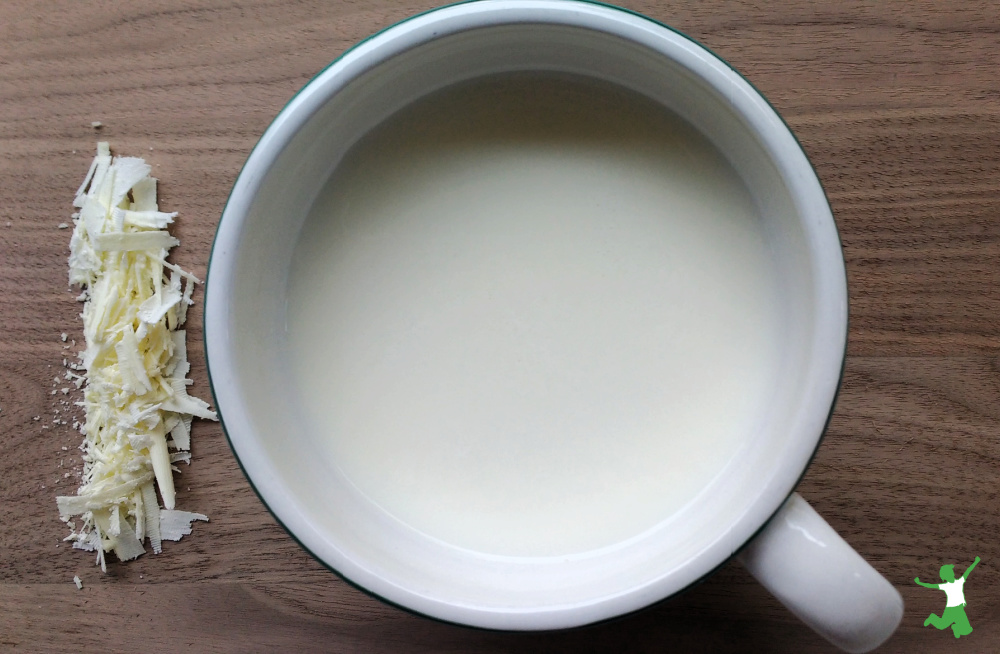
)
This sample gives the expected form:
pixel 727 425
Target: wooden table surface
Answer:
pixel 896 102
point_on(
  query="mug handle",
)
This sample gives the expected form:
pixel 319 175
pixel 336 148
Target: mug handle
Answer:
pixel 810 569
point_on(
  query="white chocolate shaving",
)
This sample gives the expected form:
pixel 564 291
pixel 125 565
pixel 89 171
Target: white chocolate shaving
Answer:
pixel 135 362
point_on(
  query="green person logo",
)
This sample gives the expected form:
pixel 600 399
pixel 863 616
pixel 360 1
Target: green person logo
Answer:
pixel 954 612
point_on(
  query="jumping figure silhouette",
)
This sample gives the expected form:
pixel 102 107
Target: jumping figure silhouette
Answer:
pixel 954 611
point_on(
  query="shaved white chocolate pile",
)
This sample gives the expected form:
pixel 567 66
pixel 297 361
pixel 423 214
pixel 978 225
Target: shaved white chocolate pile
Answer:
pixel 138 410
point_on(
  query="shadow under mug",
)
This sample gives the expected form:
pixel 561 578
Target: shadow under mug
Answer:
pixel 751 512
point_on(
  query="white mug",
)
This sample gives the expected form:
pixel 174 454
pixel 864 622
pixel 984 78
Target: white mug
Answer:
pixel 751 512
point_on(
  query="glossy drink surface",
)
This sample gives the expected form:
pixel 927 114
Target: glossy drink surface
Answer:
pixel 533 316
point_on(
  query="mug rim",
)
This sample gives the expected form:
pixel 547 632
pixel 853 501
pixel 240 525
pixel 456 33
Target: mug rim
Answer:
pixel 297 112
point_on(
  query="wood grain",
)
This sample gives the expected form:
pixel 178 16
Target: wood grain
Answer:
pixel 897 104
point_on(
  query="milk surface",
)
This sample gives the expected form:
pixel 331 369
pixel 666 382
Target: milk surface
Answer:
pixel 532 316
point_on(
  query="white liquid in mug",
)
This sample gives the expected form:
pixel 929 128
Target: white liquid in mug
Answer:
pixel 533 315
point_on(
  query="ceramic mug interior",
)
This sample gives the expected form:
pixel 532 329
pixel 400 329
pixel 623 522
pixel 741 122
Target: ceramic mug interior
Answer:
pixel 246 313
